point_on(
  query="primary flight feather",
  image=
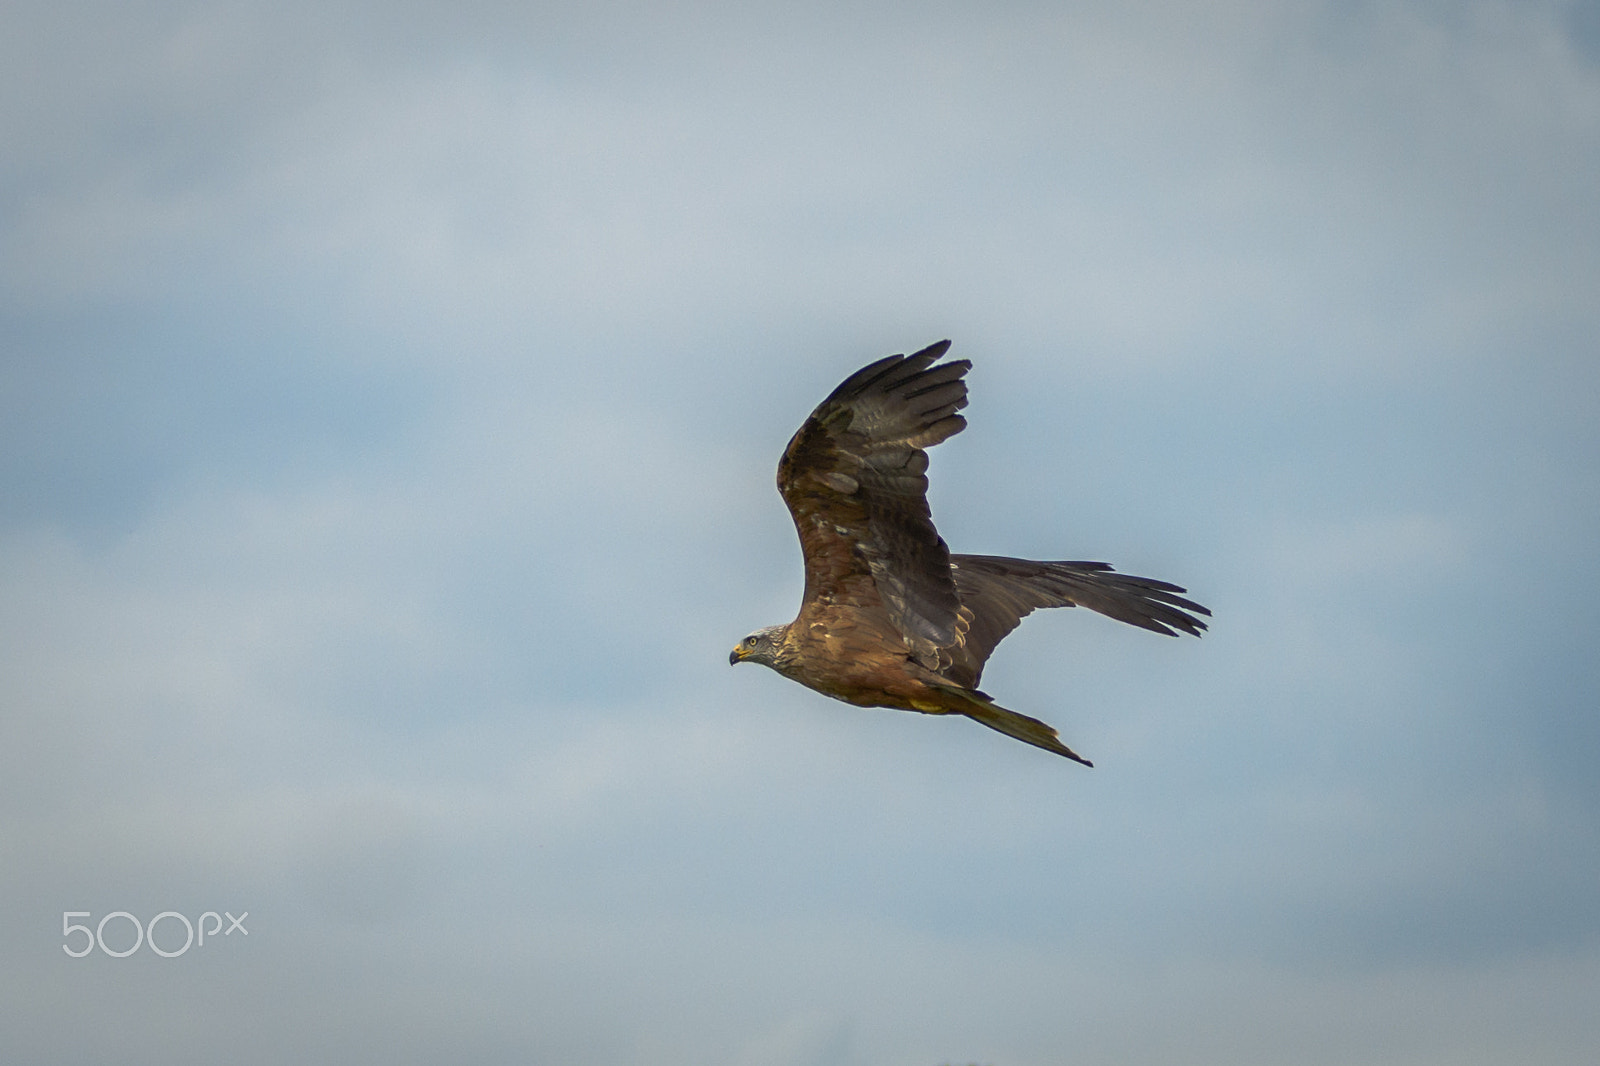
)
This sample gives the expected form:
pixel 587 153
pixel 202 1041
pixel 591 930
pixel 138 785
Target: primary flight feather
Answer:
pixel 889 617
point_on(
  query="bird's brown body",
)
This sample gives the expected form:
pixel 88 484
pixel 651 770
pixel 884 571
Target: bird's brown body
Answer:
pixel 834 653
pixel 889 617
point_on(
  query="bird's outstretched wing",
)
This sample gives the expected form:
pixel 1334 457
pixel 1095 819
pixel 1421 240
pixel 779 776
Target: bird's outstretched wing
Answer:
pixel 999 593
pixel 854 477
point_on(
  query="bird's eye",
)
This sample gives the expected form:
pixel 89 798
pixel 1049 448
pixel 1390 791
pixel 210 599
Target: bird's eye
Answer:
pixel 750 641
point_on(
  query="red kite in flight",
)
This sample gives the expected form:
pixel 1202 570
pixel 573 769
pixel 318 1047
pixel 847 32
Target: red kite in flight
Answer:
pixel 890 618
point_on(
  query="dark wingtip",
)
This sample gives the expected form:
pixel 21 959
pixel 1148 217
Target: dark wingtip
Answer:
pixel 891 370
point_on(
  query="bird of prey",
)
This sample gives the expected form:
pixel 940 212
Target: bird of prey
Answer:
pixel 890 618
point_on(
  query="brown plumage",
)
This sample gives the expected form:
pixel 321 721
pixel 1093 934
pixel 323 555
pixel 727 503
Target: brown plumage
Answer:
pixel 890 618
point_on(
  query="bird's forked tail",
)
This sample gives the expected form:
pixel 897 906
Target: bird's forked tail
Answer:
pixel 984 711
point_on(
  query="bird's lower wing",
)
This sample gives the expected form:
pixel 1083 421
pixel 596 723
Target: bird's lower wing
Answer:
pixel 998 592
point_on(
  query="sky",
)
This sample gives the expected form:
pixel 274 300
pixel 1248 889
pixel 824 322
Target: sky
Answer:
pixel 389 406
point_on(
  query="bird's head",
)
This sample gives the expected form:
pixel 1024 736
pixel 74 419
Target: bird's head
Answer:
pixel 759 647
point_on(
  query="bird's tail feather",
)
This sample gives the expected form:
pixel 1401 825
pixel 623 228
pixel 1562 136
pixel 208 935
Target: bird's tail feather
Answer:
pixel 985 711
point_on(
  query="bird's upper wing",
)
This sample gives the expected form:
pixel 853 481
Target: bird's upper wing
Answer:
pixel 998 593
pixel 854 477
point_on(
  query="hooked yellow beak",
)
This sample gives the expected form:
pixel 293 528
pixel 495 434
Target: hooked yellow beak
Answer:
pixel 736 656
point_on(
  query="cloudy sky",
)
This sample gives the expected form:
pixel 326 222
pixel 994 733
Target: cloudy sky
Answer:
pixel 389 404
